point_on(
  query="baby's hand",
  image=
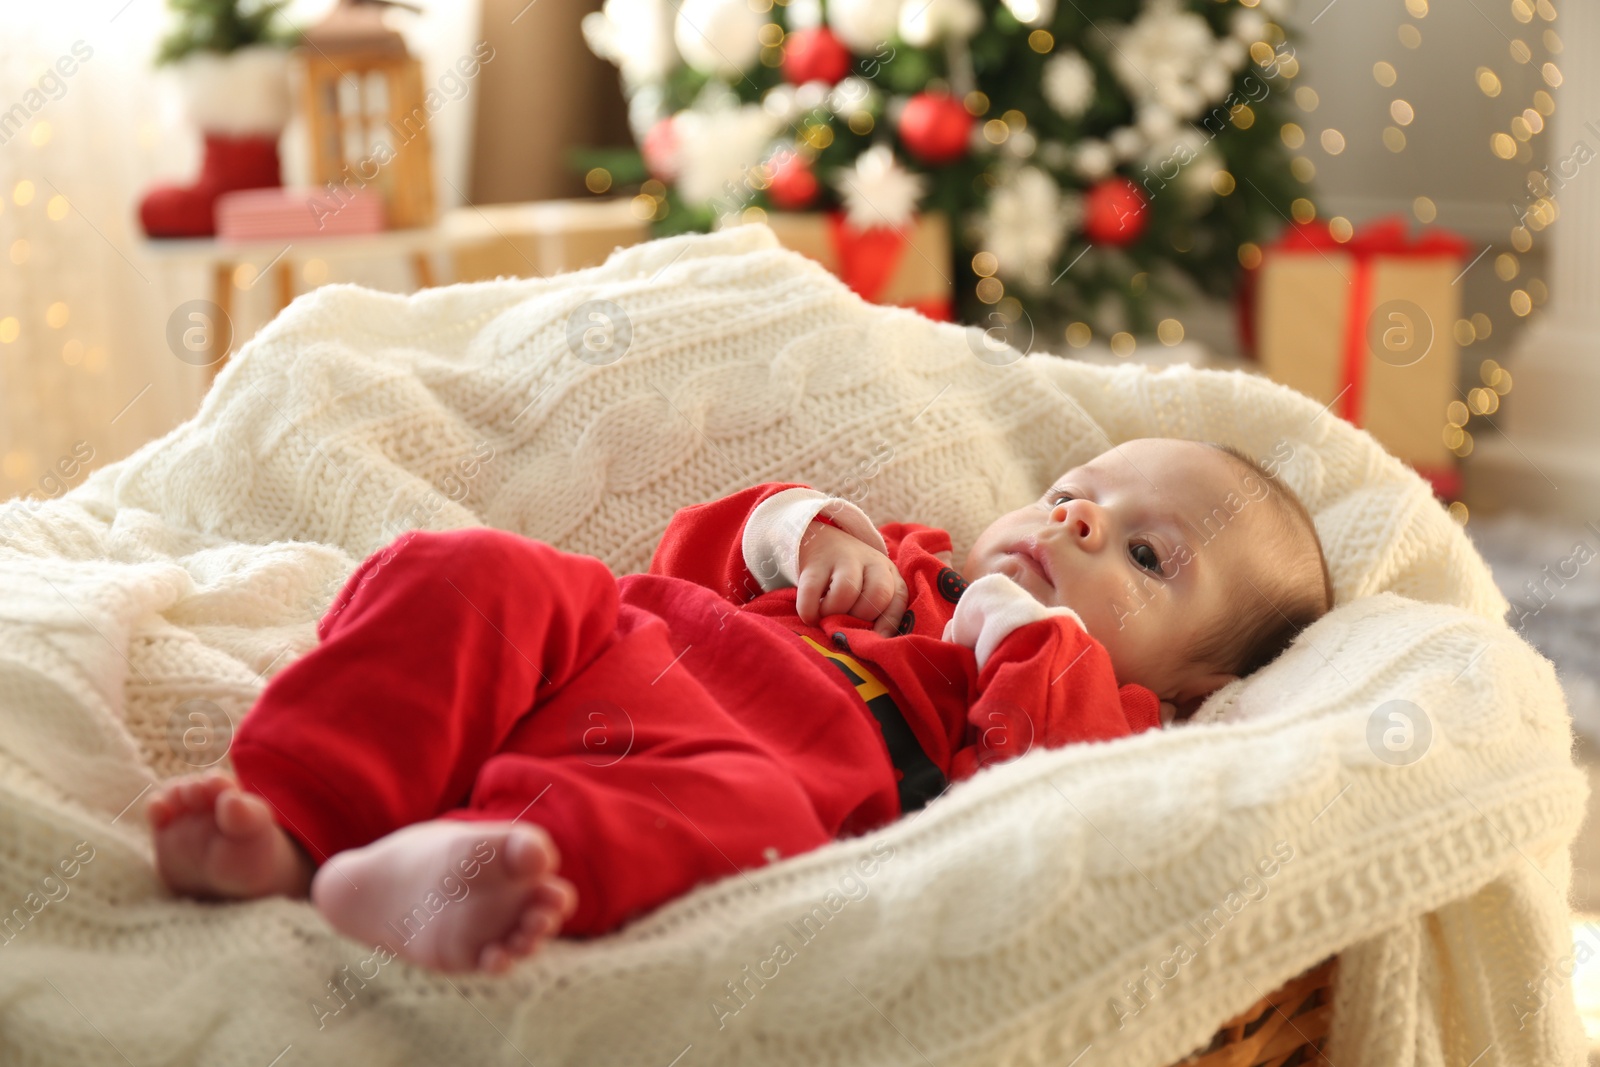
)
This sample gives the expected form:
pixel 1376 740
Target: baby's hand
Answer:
pixel 840 574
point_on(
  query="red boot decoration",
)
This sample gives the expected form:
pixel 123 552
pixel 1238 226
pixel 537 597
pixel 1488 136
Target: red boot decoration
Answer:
pixel 249 162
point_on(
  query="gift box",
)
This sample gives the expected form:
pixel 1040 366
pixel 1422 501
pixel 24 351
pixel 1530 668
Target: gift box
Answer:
pixel 540 238
pixel 1366 326
pixel 907 266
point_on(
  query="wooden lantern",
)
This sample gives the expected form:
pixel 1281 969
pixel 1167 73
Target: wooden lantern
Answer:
pixel 362 96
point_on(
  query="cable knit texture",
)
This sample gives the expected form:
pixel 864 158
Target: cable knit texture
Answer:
pixel 1030 913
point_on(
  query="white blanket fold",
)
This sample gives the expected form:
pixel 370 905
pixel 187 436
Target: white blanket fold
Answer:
pixel 1397 788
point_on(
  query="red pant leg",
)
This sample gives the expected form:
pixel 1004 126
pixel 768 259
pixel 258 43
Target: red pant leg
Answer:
pixel 646 784
pixel 420 695
pixel 436 647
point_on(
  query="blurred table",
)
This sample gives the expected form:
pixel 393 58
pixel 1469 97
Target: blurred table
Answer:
pixel 487 241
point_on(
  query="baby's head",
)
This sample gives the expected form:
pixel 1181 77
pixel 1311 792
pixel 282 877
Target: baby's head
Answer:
pixel 1190 564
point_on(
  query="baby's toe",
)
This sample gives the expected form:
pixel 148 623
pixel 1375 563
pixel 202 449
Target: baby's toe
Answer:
pixel 494 959
pixel 520 942
pixel 529 851
pixel 559 896
pixel 199 793
pixel 240 814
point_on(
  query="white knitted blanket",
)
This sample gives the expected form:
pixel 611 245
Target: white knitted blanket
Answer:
pixel 1103 904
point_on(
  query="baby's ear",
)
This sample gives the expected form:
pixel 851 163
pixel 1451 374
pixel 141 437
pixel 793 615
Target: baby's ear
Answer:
pixel 1194 693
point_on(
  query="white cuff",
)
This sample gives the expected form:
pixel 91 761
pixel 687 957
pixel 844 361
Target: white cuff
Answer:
pixel 991 608
pixel 772 533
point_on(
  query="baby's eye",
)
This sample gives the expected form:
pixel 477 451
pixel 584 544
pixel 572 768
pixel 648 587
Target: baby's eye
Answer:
pixel 1057 497
pixel 1145 557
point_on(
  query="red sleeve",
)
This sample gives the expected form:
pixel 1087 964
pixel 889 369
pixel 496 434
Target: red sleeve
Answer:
pixel 930 539
pixel 1049 684
pixel 704 543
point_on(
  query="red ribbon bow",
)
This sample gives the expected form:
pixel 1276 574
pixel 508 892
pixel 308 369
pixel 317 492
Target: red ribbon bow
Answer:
pixel 868 259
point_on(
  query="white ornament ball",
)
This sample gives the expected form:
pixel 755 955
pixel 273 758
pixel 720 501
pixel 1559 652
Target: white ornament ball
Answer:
pixel 1068 84
pixel 1248 26
pixel 1021 144
pixel 1093 158
pixel 804 14
pixel 1032 12
pixel 852 95
pixel 1156 122
pixel 718 36
pixel 779 102
pixel 1213 82
pixel 924 21
pixel 1126 142
pixel 864 25
pixel 809 96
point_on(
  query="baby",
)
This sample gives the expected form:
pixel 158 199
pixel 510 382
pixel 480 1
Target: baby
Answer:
pixel 496 740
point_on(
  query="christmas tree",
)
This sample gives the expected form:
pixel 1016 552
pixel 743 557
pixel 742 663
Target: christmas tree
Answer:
pixel 1089 156
pixel 223 26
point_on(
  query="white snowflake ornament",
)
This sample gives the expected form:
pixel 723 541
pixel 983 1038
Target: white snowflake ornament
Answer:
pixel 1025 224
pixel 1160 56
pixel 718 146
pixel 878 191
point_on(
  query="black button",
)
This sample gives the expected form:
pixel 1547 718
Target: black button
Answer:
pixel 951 584
pixel 840 641
pixel 908 622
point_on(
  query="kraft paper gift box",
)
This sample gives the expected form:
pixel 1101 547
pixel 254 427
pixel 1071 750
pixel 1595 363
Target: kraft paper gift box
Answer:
pixel 1367 326
pixel 907 265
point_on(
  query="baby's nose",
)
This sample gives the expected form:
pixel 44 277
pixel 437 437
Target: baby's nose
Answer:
pixel 1081 521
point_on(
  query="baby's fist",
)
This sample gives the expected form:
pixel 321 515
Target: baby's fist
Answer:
pixel 840 574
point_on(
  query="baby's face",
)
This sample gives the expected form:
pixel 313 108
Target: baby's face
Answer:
pixel 1146 542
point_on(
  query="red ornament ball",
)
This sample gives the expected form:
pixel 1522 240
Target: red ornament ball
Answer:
pixel 1115 212
pixel 814 55
pixel 660 151
pixel 793 186
pixel 935 128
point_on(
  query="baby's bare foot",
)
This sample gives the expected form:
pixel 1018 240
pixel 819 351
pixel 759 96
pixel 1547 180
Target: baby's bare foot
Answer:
pixel 454 896
pixel 215 840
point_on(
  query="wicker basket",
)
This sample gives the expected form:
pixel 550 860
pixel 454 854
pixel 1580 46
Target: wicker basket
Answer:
pixel 1286 1028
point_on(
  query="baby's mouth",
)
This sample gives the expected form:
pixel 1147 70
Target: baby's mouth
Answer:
pixel 1033 556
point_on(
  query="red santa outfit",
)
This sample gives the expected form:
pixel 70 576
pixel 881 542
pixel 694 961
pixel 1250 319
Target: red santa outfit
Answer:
pixel 667 728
